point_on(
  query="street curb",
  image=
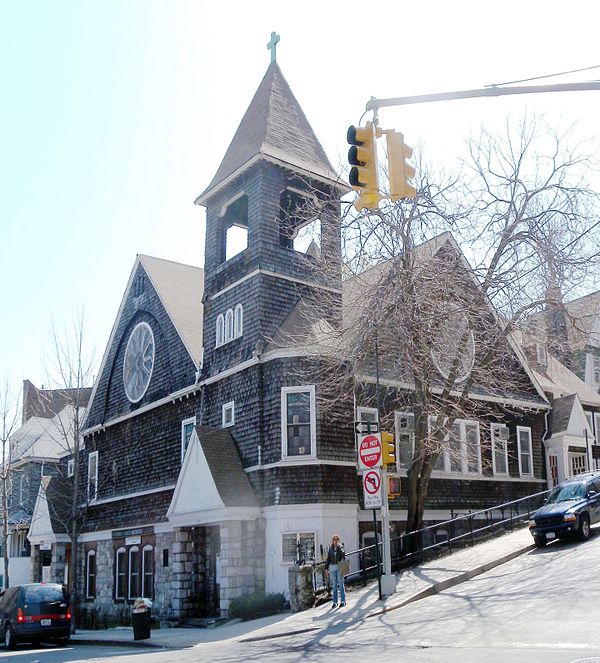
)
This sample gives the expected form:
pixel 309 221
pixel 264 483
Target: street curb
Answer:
pixel 141 644
pixel 438 587
pixel 306 629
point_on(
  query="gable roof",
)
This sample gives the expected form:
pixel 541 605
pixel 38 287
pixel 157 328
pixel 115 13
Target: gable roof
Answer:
pixel 48 402
pixel 274 127
pixel 180 288
pixel 557 380
pixel 212 485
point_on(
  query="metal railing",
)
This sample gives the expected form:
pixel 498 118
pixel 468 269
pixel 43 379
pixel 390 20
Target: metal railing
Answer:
pixel 436 540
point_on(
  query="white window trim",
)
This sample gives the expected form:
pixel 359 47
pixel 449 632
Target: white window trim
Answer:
pixel 145 549
pixel 120 551
pixel 90 553
pixel 445 453
pixel 313 421
pixel 297 534
pixel 542 355
pixel 493 428
pixel 184 423
pixel 133 549
pixel 226 407
pixel 229 326
pixel 519 430
pixel 597 426
pixel 95 495
pixel 220 330
pixel 595 367
pixel 398 431
pixel 238 321
pixel 366 410
pixel 70 467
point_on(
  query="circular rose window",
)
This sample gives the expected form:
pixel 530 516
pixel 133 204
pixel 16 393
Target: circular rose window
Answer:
pixel 138 362
pixel 453 343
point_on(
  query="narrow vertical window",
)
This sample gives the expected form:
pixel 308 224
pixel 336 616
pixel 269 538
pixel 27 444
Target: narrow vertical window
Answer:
pixel 239 321
pixel 147 572
pixel 524 450
pixel 90 579
pixel 70 468
pixel 120 575
pixel 134 572
pixel 499 448
pixel 228 414
pixel 228 325
pixel 93 476
pixel 187 428
pixel 298 421
pixel 220 330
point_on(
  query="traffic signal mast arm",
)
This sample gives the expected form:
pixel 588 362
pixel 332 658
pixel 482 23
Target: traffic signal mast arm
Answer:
pixel 375 104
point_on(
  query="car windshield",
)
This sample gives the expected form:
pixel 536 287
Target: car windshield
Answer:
pixel 570 491
pixel 44 594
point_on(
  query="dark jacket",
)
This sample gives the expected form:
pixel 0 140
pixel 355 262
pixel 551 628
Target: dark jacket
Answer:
pixel 335 555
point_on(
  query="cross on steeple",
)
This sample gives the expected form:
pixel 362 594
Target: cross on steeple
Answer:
pixel 272 46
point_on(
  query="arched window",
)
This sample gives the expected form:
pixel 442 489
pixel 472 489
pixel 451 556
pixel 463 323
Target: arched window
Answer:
pixel 134 572
pixel 120 574
pixel 147 572
pixel 220 331
pixel 239 321
pixel 90 575
pixel 228 325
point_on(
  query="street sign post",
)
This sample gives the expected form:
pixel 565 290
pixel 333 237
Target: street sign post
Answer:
pixel 369 451
pixel 372 491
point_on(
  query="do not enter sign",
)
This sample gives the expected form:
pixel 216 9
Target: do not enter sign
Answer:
pixel 369 451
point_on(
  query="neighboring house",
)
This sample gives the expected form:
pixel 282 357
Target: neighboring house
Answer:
pixel 208 462
pixel 572 437
pixel 571 333
pixel 36 449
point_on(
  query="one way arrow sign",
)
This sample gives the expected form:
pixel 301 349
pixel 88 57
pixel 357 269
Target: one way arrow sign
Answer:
pixel 366 427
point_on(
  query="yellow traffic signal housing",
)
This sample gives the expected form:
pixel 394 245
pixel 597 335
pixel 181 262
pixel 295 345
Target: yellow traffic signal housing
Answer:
pixel 399 171
pixel 362 156
pixel 388 448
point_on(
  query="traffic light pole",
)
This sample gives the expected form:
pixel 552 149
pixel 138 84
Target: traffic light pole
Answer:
pixel 493 91
pixel 388 580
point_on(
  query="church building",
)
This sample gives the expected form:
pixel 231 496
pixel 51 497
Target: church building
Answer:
pixel 209 465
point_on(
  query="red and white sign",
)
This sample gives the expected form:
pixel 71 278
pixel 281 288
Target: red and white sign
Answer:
pixel 369 451
pixel 372 489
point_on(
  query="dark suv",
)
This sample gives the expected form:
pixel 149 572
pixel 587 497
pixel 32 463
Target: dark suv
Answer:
pixel 571 508
pixel 35 612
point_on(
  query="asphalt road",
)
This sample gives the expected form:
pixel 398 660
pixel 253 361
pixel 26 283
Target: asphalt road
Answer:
pixel 544 607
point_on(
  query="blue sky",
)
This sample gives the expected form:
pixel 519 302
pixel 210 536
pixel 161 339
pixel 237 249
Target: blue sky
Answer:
pixel 116 114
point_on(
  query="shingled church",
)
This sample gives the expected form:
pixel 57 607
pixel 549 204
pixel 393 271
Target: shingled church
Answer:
pixel 209 466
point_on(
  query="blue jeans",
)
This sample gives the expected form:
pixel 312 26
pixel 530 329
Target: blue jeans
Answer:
pixel 337 578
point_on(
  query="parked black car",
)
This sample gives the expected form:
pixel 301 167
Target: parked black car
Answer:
pixel 35 612
pixel 571 508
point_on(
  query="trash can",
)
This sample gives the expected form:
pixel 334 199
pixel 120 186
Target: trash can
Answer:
pixel 141 618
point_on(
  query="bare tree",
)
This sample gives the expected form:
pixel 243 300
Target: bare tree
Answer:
pixel 69 365
pixel 9 421
pixel 436 286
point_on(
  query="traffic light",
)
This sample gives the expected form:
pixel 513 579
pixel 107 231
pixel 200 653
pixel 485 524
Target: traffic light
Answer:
pixel 388 448
pixel 399 171
pixel 362 156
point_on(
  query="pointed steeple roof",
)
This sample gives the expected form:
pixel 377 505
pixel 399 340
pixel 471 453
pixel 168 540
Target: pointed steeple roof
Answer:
pixel 274 128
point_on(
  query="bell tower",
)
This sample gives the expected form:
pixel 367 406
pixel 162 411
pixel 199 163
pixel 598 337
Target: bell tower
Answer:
pixel 272 222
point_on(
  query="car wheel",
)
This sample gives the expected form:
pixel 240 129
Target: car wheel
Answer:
pixel 540 541
pixel 583 532
pixel 10 641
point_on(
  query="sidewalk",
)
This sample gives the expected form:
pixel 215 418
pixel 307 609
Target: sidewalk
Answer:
pixel 363 603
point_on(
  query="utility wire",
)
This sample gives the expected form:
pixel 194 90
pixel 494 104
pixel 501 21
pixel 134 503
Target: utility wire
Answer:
pixel 537 78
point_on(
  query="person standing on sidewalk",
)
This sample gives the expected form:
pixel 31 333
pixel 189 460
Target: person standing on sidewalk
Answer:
pixel 335 556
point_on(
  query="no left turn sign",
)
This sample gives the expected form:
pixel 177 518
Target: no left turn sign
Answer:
pixel 372 489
